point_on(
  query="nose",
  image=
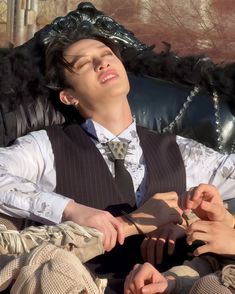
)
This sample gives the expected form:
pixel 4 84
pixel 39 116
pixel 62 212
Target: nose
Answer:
pixel 101 64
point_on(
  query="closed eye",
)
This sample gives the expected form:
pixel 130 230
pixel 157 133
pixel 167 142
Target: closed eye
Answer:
pixel 81 64
pixel 107 53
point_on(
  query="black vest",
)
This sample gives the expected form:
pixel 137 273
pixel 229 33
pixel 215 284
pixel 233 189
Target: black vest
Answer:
pixel 83 175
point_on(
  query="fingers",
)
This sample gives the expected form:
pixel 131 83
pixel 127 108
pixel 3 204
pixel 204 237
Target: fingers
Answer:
pixel 128 285
pixel 140 276
pixel 171 243
pixel 215 211
pixel 202 249
pixel 112 229
pixel 191 201
pixel 202 192
pixel 120 231
pixel 152 248
pixel 168 237
pixel 202 226
pixel 101 220
pixel 160 249
pixel 110 236
pixel 153 288
pixel 132 280
pixel 210 193
pixel 174 216
pixel 199 231
pixel 197 236
pixel 144 248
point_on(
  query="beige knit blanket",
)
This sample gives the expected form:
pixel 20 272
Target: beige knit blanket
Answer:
pixel 49 269
pixel 49 259
pixel 84 242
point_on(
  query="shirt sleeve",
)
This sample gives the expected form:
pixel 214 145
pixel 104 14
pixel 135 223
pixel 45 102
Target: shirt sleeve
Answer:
pixel 205 165
pixel 28 180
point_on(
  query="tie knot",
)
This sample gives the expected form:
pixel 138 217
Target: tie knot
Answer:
pixel 118 149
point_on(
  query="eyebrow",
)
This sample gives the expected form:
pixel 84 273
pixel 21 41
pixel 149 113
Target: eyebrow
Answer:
pixel 77 57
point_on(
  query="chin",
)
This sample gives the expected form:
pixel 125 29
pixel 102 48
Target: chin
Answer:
pixel 117 90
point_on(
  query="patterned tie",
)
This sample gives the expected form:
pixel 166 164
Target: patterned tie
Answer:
pixel 122 177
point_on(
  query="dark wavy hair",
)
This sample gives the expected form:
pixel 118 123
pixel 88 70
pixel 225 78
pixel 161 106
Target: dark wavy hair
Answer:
pixel 54 55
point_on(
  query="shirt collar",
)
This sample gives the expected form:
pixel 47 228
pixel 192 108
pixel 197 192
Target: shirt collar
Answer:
pixel 103 135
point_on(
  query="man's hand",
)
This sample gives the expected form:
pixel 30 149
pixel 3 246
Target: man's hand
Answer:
pixel 198 195
pixel 98 219
pixel 206 203
pixel 153 245
pixel 218 237
pixel 144 278
pixel 159 210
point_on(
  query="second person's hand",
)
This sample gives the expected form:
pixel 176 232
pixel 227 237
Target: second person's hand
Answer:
pixel 152 247
pixel 160 209
pixel 101 220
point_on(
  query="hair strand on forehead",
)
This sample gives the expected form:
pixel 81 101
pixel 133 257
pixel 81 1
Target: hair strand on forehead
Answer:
pixel 55 61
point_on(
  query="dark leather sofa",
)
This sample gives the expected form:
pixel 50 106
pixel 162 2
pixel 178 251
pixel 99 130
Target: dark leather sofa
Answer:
pixel 189 96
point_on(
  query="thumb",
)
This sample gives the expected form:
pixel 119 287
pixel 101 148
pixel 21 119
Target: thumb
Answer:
pixel 175 216
pixel 159 287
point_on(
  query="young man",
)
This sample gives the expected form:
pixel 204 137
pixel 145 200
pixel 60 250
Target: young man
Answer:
pixel 67 172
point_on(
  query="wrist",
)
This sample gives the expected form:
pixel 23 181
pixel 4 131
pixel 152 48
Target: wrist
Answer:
pixel 69 208
pixel 171 284
pixel 143 222
pixel 128 227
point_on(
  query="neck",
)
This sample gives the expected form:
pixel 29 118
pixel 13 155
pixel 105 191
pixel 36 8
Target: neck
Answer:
pixel 115 119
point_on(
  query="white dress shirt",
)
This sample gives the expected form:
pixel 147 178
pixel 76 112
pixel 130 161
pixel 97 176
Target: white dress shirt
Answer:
pixel 28 172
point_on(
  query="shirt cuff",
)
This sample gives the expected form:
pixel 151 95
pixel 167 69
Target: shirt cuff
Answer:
pixel 50 206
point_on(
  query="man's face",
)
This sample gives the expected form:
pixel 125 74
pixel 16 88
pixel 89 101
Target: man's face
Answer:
pixel 98 78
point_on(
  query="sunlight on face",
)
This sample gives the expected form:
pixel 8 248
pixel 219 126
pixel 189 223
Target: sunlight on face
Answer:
pixel 98 76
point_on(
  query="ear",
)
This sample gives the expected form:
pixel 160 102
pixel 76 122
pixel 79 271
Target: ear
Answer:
pixel 67 98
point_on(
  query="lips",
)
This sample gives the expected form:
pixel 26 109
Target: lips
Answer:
pixel 108 75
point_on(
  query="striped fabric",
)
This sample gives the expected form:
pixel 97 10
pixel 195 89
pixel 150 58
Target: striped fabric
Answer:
pixel 83 175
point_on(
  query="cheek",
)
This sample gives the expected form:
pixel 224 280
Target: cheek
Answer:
pixel 126 82
pixel 82 82
pixel 123 71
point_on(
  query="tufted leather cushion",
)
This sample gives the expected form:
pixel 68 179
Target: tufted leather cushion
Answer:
pixel 163 106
